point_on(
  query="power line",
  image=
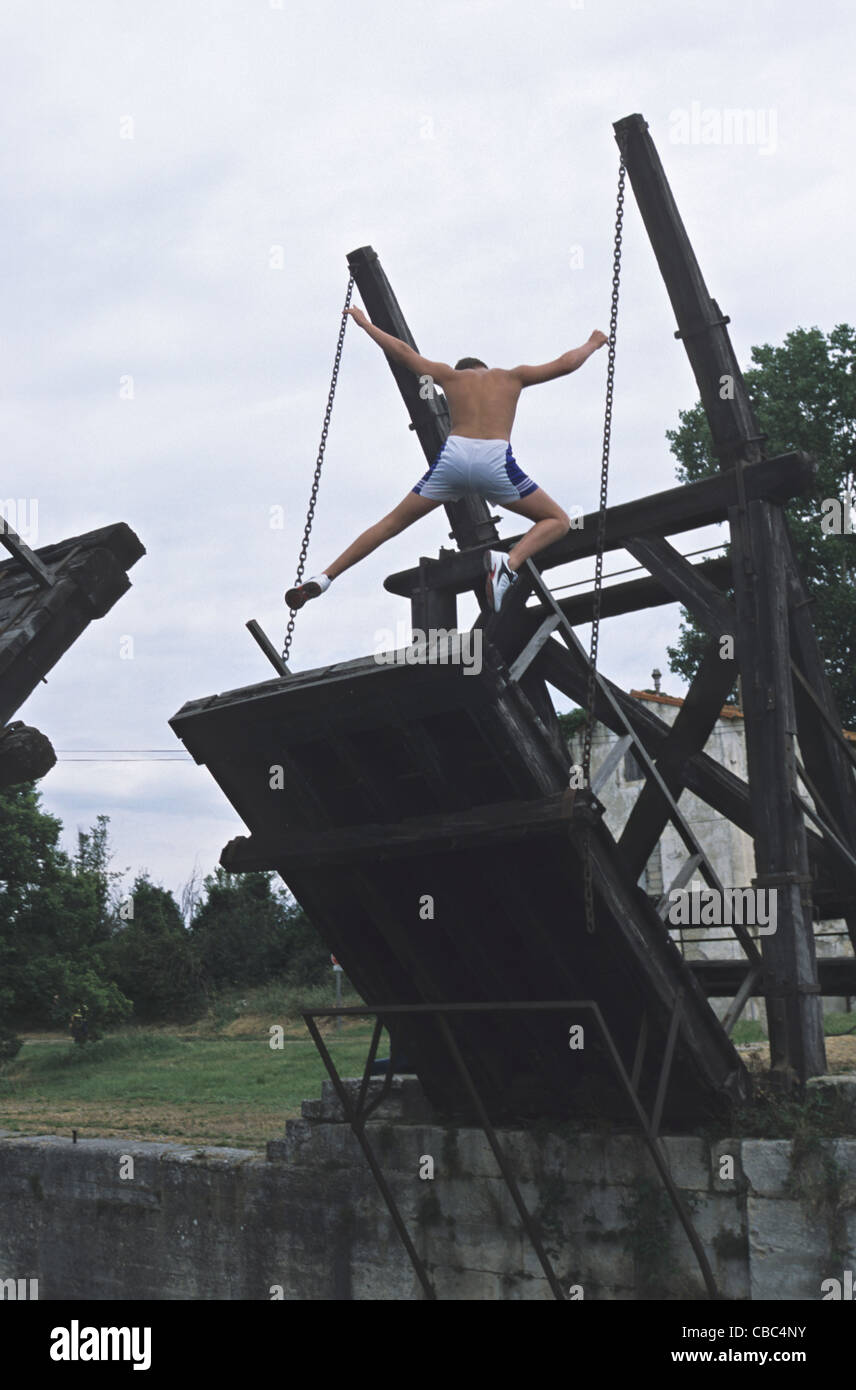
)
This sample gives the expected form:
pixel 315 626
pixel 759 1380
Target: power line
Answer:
pixel 188 759
pixel 123 755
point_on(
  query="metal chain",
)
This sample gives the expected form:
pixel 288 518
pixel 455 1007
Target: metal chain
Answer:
pixel 313 496
pixel 588 891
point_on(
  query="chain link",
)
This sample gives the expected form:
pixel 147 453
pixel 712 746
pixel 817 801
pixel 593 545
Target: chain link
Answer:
pixel 588 890
pixel 319 463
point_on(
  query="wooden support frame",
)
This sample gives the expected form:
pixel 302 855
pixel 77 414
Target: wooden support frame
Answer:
pixel 759 546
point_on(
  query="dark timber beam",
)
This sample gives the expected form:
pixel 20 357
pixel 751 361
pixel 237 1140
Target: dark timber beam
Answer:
pixel 664 513
pixel 458 830
pixel 685 582
pixel 470 519
pixel 635 594
pixel 823 746
pixel 721 979
pixel 701 323
pixel 759 547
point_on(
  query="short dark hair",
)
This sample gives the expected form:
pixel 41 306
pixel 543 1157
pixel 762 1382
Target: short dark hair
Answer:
pixel 467 362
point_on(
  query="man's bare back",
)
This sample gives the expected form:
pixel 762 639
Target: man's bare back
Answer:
pixel 482 400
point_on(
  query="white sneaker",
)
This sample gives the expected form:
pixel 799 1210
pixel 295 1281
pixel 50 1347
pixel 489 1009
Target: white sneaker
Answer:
pixel 499 578
pixel 295 598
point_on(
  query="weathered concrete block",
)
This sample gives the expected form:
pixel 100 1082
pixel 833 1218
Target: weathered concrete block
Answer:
pixel 406 1101
pixel 597 1263
pixel 767 1166
pixel 844 1156
pixel 787 1249
pixel 474 1246
pixel 467 1285
pixel 689 1162
pixel 627 1159
pixel 467 1150
pixel 841 1089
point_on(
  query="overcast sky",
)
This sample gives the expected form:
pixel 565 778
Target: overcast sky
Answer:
pixel 159 369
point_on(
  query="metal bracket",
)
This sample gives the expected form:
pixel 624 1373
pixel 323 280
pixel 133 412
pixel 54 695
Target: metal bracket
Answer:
pixel 700 328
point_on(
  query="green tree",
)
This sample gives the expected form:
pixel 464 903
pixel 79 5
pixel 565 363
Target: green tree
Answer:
pixel 246 931
pixel 151 957
pixel 92 866
pixel 804 393
pixel 52 927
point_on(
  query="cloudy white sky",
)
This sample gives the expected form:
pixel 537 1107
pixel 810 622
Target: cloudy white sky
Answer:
pixel 155 153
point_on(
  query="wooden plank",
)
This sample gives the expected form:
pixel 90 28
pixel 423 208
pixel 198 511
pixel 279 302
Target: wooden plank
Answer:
pixel 824 748
pixel 636 594
pixel 684 582
pixel 522 663
pixel 723 979
pixel 458 831
pixel 684 874
pixel 701 324
pixel 39 633
pixel 666 513
pixel 118 538
pixel 610 763
pixel 25 557
pixel 790 967
pixel 822 712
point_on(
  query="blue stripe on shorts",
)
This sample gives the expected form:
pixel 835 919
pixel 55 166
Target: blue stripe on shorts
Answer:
pixel 517 477
pixel 425 476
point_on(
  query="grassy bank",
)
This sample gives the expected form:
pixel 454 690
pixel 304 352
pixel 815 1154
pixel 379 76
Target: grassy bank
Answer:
pixel 217 1081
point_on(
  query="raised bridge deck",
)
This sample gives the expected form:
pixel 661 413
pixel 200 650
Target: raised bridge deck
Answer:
pixel 403 781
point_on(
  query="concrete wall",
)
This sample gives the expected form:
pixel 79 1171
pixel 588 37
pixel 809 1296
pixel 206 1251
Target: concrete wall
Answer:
pixel 308 1220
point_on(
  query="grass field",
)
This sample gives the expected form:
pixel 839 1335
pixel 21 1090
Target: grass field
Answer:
pixel 219 1081
pixel 216 1082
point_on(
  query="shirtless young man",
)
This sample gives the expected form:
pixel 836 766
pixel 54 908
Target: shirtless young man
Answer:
pixel 476 458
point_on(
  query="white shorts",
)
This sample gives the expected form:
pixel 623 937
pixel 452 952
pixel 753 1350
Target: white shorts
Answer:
pixel 485 467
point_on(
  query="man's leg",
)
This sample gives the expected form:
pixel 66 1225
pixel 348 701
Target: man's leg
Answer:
pixel 551 524
pixel 410 509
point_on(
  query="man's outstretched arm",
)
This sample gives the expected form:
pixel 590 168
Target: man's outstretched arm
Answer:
pixel 562 366
pixel 403 352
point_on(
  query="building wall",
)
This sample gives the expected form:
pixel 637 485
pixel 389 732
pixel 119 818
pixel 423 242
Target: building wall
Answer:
pixel 730 850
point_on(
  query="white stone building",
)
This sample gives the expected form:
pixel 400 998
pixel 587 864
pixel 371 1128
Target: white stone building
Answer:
pixel 729 849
